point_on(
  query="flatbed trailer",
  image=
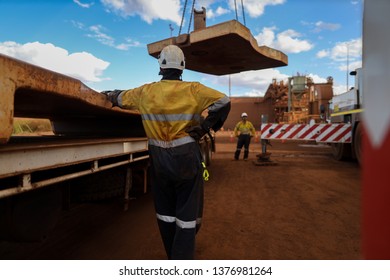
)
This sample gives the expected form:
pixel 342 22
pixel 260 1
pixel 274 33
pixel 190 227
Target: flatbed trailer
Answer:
pixel 27 160
pixel 95 152
pixel 41 176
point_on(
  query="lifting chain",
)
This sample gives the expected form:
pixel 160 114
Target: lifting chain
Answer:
pixel 192 10
pixel 183 15
pixel 242 8
pixel 243 12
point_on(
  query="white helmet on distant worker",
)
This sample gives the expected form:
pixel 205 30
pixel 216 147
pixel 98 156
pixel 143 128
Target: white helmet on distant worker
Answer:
pixel 244 115
pixel 171 57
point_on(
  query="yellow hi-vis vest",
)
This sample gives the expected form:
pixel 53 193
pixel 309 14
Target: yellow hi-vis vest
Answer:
pixel 168 107
pixel 244 128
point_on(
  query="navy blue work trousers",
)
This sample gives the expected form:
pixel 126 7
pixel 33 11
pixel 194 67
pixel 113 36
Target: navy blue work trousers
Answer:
pixel 243 141
pixel 177 185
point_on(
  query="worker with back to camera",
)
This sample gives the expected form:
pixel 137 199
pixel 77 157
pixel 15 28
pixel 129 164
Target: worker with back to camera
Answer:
pixel 244 130
pixel 171 113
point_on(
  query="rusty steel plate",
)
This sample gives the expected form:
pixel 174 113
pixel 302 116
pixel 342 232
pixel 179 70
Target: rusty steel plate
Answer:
pixel 222 49
pixel 30 91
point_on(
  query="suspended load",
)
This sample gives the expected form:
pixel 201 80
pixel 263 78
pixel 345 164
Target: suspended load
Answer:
pixel 221 49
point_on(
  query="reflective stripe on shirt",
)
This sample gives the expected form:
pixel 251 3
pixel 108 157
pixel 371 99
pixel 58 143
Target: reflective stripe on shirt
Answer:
pixel 169 107
pixel 219 104
pixel 170 117
pixel 171 144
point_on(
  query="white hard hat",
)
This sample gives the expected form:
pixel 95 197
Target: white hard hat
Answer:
pixel 244 115
pixel 171 57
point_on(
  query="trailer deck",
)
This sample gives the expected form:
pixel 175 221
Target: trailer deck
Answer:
pixel 26 160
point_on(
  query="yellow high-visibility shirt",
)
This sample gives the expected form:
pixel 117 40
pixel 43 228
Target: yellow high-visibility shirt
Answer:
pixel 244 128
pixel 168 107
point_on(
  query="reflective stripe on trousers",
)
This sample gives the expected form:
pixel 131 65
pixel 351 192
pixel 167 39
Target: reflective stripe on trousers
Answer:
pixel 179 223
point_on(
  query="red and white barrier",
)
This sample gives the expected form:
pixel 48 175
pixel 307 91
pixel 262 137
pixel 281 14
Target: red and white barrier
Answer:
pixel 326 133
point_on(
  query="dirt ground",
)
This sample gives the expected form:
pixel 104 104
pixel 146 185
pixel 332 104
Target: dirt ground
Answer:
pixel 307 206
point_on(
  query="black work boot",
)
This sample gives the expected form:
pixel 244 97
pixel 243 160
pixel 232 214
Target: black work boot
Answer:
pixel 246 153
pixel 237 154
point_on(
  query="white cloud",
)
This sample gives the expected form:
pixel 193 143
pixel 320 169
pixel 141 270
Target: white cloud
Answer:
pixel 218 12
pixel 266 37
pixel 98 32
pixel 317 79
pixel 323 53
pixel 83 5
pixel 338 89
pixel 254 8
pixel 204 3
pixel 100 36
pixel 80 65
pixel 320 26
pixel 252 83
pixel 129 43
pixel 287 41
pixel 253 93
pixel 77 24
pixel 221 11
pixel 148 10
pixel 343 50
pixel 350 66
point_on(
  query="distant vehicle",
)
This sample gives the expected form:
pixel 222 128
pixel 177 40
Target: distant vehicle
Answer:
pixel 343 130
pixel 347 108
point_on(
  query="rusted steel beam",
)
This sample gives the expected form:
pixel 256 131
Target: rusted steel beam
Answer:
pixel 27 90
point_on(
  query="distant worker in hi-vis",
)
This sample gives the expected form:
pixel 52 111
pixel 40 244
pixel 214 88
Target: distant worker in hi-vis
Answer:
pixel 244 130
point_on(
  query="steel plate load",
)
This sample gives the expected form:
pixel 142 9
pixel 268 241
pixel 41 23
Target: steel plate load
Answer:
pixel 222 49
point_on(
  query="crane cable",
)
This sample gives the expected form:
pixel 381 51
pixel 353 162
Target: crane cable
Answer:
pixel 193 5
pixel 242 8
pixel 183 15
pixel 192 10
pixel 235 7
pixel 243 12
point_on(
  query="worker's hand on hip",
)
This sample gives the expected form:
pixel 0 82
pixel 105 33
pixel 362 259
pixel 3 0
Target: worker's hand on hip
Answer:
pixel 196 132
pixel 112 96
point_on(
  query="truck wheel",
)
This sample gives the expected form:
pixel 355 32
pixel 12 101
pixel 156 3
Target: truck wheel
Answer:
pixel 357 143
pixel 341 151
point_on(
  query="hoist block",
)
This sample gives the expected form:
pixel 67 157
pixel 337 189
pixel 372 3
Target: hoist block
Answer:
pixel 222 49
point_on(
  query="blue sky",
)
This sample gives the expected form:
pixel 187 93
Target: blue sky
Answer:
pixel 103 43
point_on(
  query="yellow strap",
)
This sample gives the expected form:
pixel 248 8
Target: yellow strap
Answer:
pixel 206 174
